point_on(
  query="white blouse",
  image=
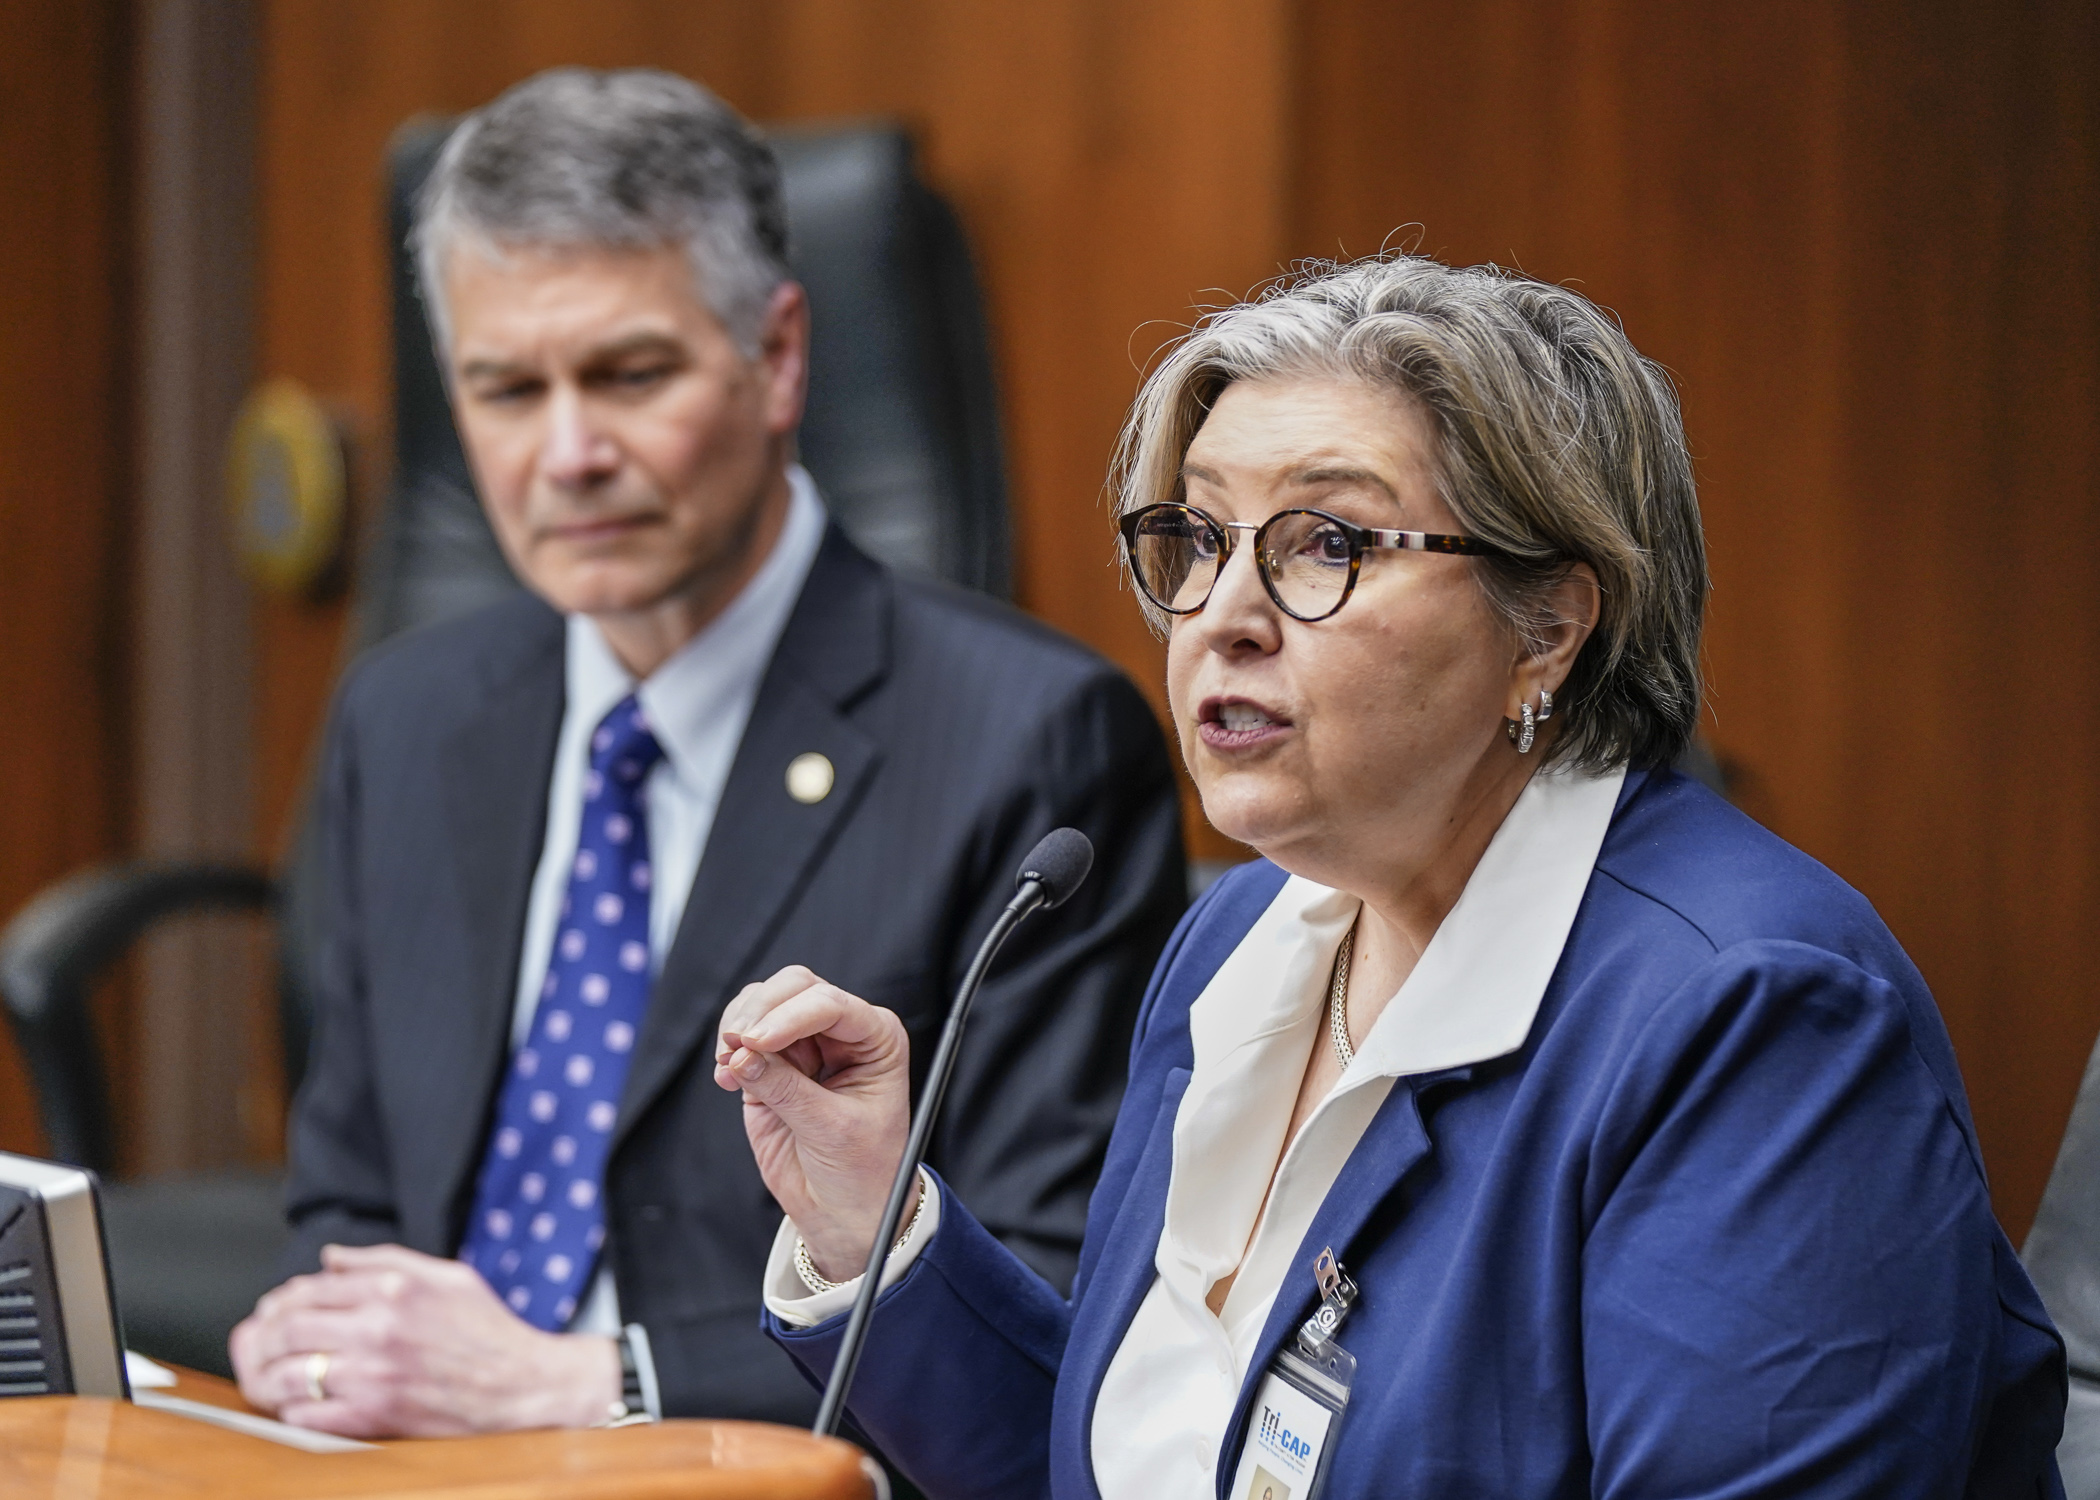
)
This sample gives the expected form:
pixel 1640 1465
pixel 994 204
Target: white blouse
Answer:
pixel 1472 996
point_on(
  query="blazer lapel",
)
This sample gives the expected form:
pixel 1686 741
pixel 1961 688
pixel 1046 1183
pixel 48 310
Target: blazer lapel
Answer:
pixel 495 770
pixel 764 842
pixel 1391 1147
pixel 1125 1274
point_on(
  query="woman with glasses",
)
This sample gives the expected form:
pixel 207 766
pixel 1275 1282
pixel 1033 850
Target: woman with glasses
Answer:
pixel 1525 1122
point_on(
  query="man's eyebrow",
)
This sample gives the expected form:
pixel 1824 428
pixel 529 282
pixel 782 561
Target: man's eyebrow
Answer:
pixel 645 342
pixel 648 341
pixel 479 369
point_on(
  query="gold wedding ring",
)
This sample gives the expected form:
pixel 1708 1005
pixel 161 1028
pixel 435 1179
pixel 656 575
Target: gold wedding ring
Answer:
pixel 316 1377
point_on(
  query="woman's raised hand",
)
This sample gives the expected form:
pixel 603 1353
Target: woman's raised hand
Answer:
pixel 827 1104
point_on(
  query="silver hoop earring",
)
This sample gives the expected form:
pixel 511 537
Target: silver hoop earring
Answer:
pixel 1545 705
pixel 1523 733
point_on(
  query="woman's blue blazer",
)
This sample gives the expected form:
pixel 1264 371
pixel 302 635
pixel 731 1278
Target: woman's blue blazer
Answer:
pixel 1719 1228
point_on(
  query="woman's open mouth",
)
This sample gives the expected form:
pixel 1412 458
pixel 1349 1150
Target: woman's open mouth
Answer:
pixel 1232 724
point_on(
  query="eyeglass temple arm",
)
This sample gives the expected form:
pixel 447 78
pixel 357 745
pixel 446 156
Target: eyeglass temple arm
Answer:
pixel 1411 541
pixel 1423 541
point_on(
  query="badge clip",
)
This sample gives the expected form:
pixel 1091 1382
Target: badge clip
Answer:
pixel 1299 1404
pixel 1337 1295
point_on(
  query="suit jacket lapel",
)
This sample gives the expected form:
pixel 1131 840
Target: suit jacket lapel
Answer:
pixel 1126 1273
pixel 1390 1148
pixel 764 842
pixel 495 769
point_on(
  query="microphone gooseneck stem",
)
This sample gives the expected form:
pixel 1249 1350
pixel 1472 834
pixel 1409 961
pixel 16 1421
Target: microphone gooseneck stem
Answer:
pixel 1031 895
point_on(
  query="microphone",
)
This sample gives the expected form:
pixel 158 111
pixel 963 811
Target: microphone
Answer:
pixel 1053 870
pixel 1059 864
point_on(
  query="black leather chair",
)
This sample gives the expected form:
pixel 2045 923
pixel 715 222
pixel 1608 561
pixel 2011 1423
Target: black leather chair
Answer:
pixel 902 436
pixel 2063 1256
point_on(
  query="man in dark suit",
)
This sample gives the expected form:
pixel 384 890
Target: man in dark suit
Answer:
pixel 716 740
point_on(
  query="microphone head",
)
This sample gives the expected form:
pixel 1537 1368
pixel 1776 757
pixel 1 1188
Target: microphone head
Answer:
pixel 1058 864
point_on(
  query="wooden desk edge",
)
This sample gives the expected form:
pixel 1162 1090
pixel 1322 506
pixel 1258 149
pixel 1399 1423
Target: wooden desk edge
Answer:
pixel 67 1447
pixel 209 1390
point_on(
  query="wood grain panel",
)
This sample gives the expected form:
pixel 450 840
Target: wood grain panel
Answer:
pixel 1105 192
pixel 63 418
pixel 203 984
pixel 1863 237
pixel 66 1447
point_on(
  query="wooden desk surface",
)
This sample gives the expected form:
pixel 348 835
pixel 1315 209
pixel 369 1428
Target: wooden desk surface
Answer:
pixel 68 1448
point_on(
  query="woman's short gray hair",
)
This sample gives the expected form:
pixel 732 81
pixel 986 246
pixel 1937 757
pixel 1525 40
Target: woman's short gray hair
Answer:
pixel 630 159
pixel 1559 444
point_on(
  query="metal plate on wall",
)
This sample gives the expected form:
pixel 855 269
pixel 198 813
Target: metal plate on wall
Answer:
pixel 285 489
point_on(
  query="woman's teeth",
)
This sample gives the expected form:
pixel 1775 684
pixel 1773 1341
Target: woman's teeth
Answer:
pixel 1239 716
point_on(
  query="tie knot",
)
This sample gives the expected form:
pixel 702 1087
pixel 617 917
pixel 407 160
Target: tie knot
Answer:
pixel 623 747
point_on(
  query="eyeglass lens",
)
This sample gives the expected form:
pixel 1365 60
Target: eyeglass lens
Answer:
pixel 1304 557
pixel 1174 552
pixel 1307 560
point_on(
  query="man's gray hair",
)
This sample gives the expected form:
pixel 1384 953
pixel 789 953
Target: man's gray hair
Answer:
pixel 633 159
pixel 1558 443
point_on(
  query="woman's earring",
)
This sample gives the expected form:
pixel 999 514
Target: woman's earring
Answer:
pixel 1545 705
pixel 1523 733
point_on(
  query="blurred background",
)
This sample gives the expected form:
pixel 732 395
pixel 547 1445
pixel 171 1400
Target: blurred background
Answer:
pixel 1860 233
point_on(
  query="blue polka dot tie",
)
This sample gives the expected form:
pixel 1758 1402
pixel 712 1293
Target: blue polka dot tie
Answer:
pixel 538 1224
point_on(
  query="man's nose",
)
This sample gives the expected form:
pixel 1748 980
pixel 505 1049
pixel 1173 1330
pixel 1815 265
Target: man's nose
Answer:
pixel 577 452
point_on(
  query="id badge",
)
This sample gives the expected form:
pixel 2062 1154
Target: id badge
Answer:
pixel 1299 1404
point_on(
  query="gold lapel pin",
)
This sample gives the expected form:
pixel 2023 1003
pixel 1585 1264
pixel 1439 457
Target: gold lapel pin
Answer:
pixel 809 778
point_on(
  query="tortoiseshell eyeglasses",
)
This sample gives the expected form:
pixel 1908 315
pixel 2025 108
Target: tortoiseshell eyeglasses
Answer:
pixel 1308 559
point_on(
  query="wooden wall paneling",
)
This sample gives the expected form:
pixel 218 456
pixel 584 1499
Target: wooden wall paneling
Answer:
pixel 63 424
pixel 215 1095
pixel 1988 132
pixel 2049 461
pixel 1662 175
pixel 1863 238
pixel 1116 165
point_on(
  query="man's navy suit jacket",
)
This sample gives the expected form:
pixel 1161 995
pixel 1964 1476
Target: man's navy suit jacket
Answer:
pixel 960 733
pixel 1719 1228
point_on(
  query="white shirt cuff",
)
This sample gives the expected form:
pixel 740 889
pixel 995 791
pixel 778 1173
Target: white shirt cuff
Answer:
pixel 791 1301
pixel 645 1367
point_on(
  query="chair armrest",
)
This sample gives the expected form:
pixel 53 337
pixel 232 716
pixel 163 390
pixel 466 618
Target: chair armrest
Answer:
pixel 56 947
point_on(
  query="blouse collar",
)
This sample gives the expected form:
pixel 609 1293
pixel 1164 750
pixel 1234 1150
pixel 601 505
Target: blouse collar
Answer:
pixel 1476 988
pixel 1472 996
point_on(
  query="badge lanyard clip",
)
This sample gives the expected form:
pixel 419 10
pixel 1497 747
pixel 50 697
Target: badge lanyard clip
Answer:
pixel 1337 1295
pixel 1298 1407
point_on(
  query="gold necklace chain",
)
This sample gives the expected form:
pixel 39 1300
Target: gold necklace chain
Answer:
pixel 1338 1002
